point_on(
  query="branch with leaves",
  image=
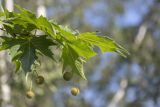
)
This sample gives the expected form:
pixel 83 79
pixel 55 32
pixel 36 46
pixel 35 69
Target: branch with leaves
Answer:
pixel 24 45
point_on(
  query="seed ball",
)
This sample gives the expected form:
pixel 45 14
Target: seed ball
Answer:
pixel 30 94
pixel 67 76
pixel 40 80
pixel 75 91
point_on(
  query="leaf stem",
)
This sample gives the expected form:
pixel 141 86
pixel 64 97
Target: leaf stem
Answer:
pixel 36 73
pixel 30 88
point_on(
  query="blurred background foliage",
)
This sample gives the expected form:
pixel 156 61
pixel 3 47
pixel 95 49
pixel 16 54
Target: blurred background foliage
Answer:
pixel 112 80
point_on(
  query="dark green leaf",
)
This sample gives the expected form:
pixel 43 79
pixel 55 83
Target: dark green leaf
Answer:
pixel 28 57
pixel 24 48
pixel 42 44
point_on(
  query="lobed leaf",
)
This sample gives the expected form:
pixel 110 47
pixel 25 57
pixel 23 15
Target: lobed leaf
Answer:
pixel 24 47
pixel 104 43
pixel 72 59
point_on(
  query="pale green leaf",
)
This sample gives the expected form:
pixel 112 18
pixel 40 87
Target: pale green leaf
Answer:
pixel 104 43
pixel 82 49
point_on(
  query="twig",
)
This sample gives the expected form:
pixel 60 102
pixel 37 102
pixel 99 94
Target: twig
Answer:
pixel 120 93
pixel 140 35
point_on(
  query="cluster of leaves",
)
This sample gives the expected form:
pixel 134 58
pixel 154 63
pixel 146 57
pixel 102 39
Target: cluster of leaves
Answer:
pixel 25 45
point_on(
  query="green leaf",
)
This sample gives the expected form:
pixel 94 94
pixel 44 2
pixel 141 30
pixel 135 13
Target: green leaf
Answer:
pixel 28 57
pixel 18 23
pixel 18 65
pixel 15 54
pixel 45 25
pixel 24 49
pixel 64 32
pixel 26 15
pixel 9 14
pixel 42 44
pixel 79 68
pixel 72 59
pixel 104 43
pixel 8 42
pixel 2 14
pixel 82 49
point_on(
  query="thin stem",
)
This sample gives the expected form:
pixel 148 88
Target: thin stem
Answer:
pixel 36 73
pixel 30 88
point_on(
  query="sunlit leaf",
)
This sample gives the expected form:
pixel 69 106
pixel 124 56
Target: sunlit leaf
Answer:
pixel 24 46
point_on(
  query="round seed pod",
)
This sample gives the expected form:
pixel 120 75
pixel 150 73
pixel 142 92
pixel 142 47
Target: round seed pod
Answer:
pixel 67 76
pixel 75 91
pixel 30 94
pixel 40 80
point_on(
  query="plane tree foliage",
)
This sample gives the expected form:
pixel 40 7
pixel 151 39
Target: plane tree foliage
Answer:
pixel 25 44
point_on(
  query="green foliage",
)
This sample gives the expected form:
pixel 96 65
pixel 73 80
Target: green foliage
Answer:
pixel 25 45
